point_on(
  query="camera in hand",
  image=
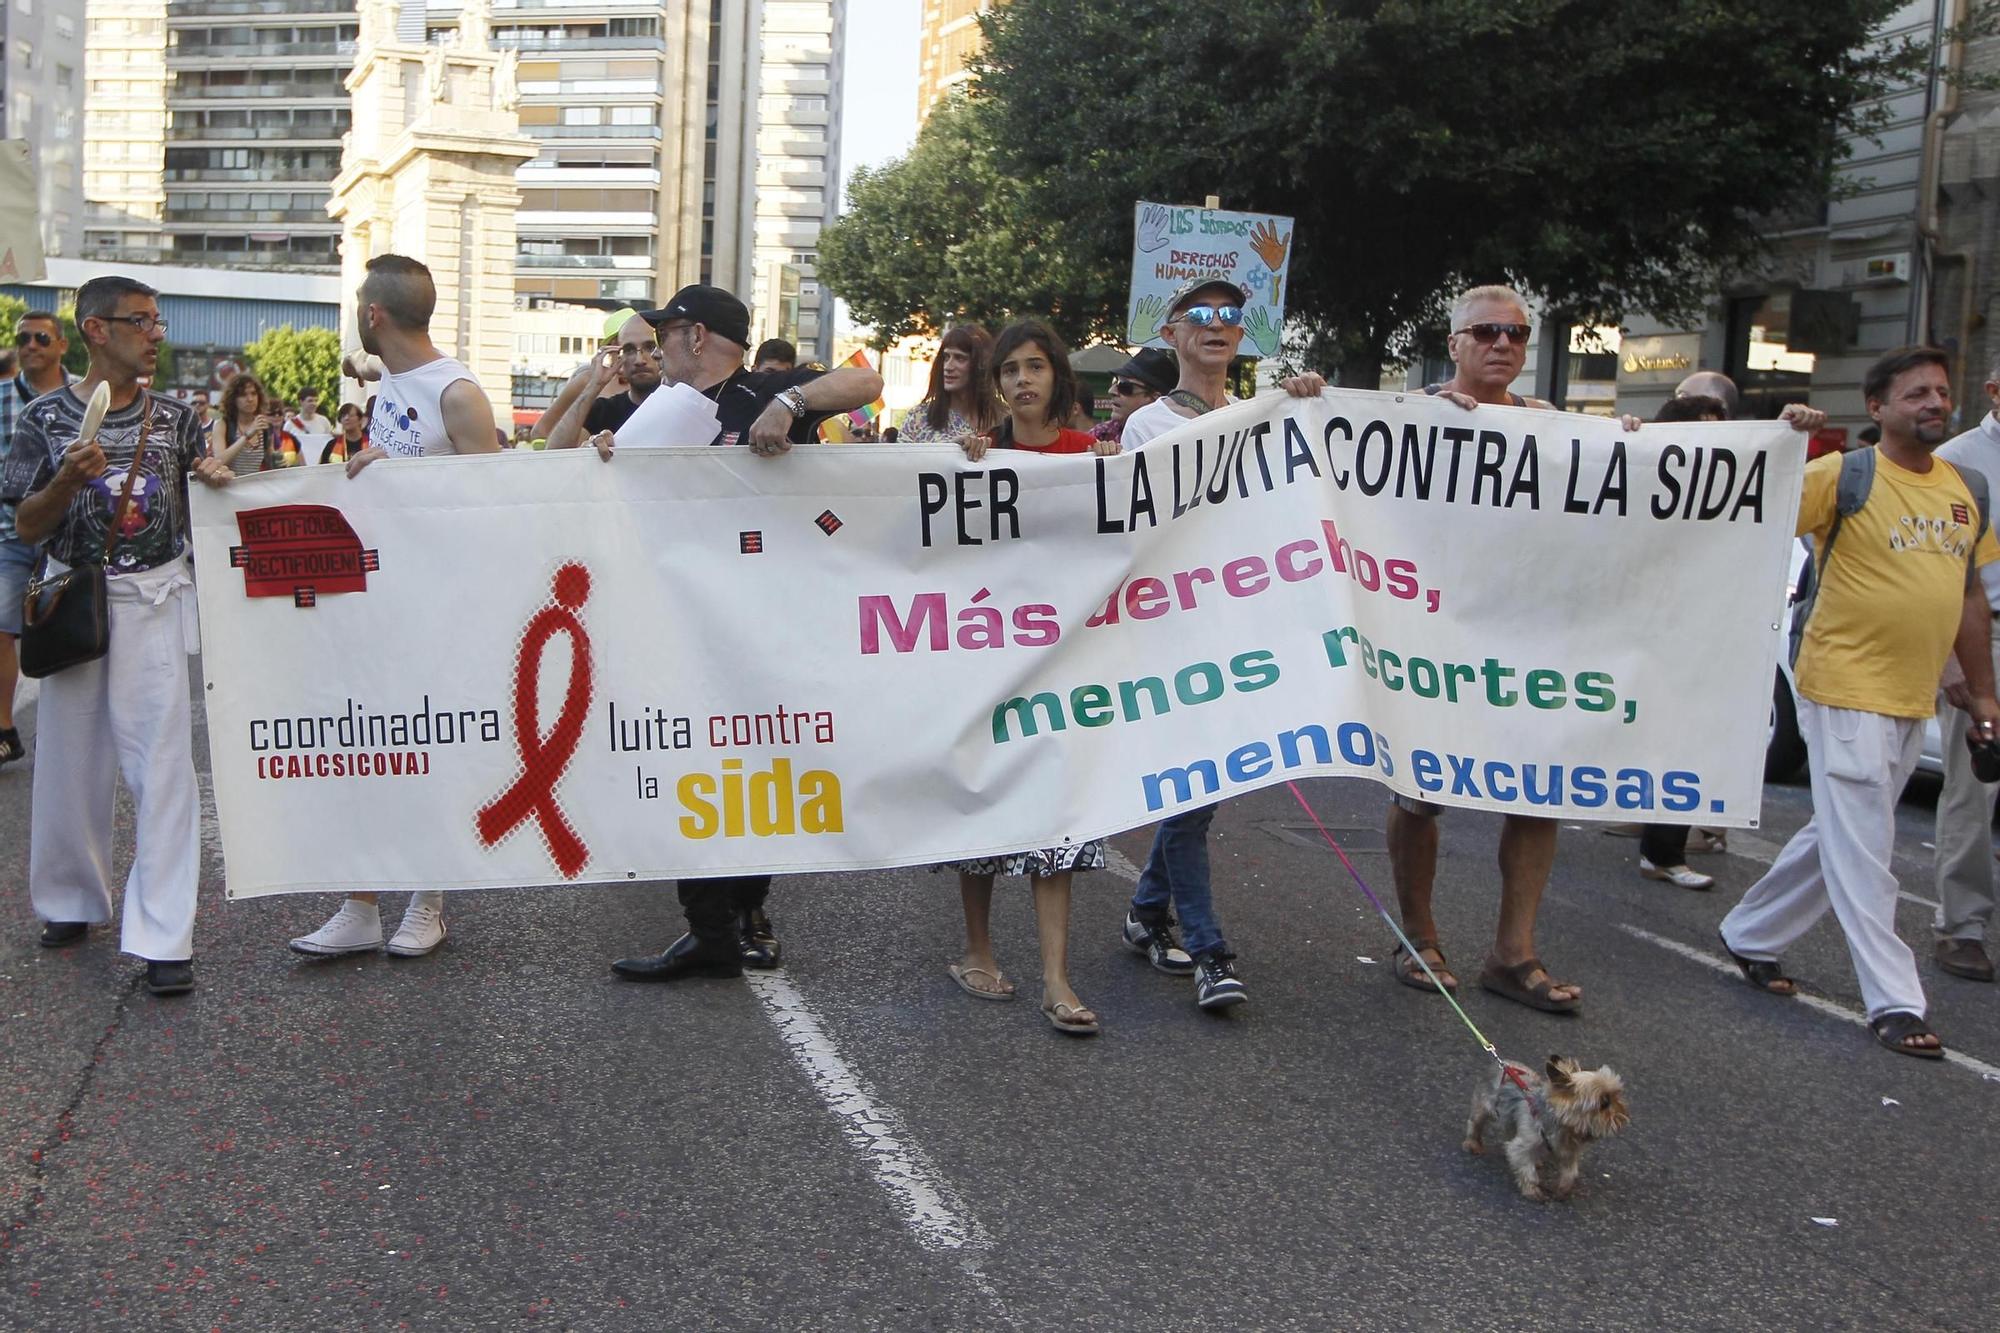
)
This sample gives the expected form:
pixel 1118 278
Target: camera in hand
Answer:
pixel 1985 755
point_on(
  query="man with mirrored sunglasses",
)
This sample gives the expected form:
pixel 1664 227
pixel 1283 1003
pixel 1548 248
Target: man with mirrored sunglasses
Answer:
pixel 1204 326
pixel 39 349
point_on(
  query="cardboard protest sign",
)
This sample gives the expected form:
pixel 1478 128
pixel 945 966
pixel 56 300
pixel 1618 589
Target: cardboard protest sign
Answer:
pixel 1173 243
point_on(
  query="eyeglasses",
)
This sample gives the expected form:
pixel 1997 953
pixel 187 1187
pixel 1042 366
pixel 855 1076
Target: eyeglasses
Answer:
pixel 1490 333
pixel 637 350
pixel 1201 316
pixel 37 337
pixel 1130 388
pixel 143 323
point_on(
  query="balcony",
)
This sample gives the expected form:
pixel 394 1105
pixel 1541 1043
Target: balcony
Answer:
pixel 645 6
pixel 329 91
pixel 592 131
pixel 183 216
pixel 313 134
pixel 177 9
pixel 638 263
pixel 179 56
pixel 504 38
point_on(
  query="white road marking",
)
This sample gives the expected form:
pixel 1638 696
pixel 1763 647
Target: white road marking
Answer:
pixel 928 1204
pixel 1988 1072
pixel 25 693
pixel 1120 864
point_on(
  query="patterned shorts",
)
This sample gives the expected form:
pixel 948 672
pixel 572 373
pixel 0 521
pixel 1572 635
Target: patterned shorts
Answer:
pixel 1041 863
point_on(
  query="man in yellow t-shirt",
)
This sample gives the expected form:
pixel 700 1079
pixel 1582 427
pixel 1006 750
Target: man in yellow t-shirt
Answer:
pixel 1897 597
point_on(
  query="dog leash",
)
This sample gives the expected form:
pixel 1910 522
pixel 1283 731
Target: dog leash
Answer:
pixel 1511 1073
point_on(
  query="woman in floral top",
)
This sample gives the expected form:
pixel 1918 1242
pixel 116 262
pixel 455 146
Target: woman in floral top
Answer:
pixel 959 403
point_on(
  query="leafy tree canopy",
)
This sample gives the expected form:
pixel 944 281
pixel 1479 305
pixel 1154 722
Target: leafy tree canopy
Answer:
pixel 943 236
pixel 287 360
pixel 1606 157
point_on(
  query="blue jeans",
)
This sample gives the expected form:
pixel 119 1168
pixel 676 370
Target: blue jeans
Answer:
pixel 1176 873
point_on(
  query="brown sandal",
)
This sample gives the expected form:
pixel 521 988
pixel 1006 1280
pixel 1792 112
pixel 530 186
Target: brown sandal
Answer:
pixel 1511 983
pixel 1412 975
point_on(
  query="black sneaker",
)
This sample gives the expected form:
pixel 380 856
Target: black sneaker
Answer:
pixel 1216 985
pixel 1155 939
pixel 10 746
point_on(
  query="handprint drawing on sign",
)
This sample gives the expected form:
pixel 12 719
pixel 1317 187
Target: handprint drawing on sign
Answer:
pixel 1153 221
pixel 1262 330
pixel 1270 248
pixel 1147 315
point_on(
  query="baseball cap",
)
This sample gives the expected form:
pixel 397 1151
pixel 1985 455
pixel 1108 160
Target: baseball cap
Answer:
pixel 1155 369
pixel 715 309
pixel 1184 294
pixel 614 323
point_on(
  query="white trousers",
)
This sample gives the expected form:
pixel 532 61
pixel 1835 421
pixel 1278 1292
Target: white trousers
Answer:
pixel 1859 763
pixel 126 713
pixel 1964 831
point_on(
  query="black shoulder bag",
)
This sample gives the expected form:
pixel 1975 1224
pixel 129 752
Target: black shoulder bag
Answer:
pixel 65 619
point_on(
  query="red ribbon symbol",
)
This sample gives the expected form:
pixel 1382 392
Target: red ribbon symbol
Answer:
pixel 545 758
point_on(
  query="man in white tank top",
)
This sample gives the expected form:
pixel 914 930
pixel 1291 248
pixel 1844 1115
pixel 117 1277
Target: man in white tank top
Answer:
pixel 426 404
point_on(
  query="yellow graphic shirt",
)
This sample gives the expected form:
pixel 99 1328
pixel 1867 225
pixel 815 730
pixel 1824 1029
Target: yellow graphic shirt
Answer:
pixel 1891 596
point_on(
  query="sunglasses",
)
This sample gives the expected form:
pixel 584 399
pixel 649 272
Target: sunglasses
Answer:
pixel 1490 333
pixel 38 338
pixel 1131 388
pixel 1201 316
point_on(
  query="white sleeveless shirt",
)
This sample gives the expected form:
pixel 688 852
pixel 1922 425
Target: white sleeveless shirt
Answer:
pixel 409 409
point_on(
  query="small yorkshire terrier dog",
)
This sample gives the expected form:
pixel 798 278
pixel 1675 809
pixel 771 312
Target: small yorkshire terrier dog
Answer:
pixel 1553 1122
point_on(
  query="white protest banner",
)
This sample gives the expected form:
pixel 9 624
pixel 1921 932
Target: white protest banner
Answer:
pixel 1172 243
pixel 688 661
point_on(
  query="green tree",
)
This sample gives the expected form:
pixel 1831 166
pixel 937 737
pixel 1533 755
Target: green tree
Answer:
pixel 287 360
pixel 943 236
pixel 1606 157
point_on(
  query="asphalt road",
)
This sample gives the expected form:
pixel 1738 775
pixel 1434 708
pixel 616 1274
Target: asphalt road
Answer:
pixel 503 1134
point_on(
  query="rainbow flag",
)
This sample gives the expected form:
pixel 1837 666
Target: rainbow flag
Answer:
pixel 846 428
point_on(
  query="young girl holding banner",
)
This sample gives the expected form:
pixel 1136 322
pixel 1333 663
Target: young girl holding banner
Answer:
pixel 1032 375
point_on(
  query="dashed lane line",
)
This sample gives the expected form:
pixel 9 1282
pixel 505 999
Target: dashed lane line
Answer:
pixel 1985 1071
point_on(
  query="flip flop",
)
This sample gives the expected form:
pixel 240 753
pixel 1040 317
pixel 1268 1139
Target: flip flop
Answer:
pixel 1062 1017
pixel 963 976
pixel 1511 983
pixel 1894 1028
pixel 1410 974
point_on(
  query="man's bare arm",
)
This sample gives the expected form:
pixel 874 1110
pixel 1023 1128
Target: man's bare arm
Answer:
pixel 468 419
pixel 842 390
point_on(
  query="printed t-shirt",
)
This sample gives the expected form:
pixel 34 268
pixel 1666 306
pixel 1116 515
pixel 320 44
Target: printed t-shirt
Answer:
pixel 742 398
pixel 1893 589
pixel 609 413
pixel 917 428
pixel 15 395
pixel 409 409
pixel 1154 419
pixel 156 529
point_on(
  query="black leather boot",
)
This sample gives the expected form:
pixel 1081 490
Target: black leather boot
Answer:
pixel 688 956
pixel 760 945
pixel 62 934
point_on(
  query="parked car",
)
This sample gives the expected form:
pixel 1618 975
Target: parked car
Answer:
pixel 1785 748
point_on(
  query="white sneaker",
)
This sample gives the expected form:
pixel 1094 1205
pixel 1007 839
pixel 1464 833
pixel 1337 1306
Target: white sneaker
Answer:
pixel 423 926
pixel 1678 876
pixel 355 928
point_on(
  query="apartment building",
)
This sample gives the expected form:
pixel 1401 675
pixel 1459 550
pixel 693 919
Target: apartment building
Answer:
pixel 950 37
pixel 41 100
pixel 682 140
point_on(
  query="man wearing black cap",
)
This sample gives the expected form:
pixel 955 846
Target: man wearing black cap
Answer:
pixel 703 333
pixel 1135 384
